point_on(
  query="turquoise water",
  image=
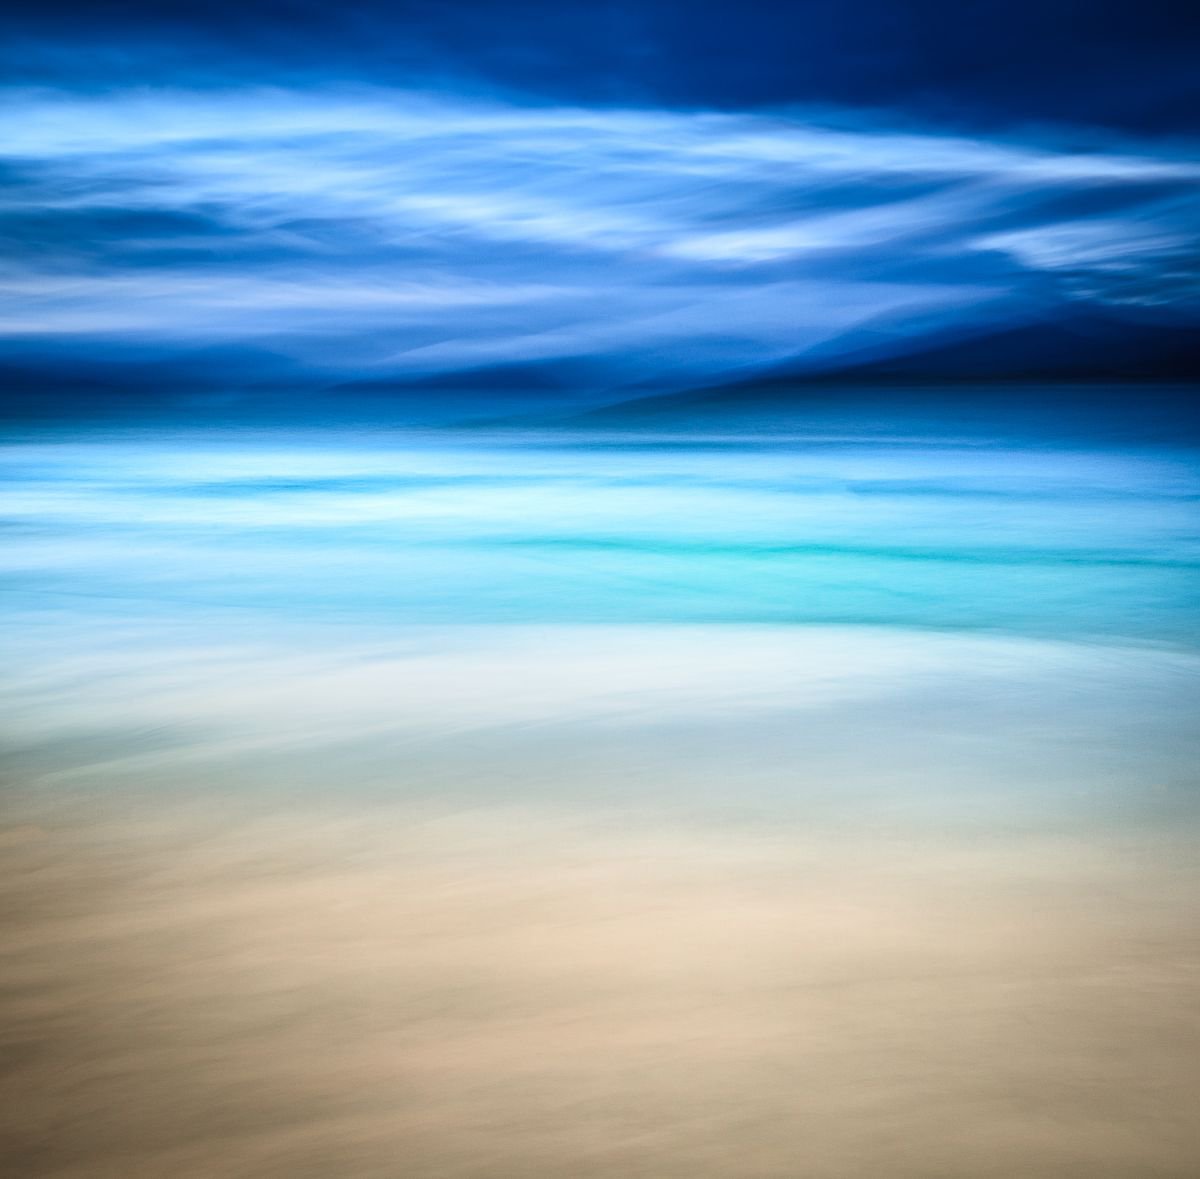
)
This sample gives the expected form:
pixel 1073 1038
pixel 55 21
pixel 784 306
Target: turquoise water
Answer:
pixel 409 528
pixel 797 624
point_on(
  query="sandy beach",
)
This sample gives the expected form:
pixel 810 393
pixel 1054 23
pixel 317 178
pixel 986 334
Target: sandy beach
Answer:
pixel 627 917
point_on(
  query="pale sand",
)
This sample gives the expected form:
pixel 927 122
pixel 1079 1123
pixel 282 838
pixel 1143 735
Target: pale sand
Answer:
pixel 515 993
pixel 681 904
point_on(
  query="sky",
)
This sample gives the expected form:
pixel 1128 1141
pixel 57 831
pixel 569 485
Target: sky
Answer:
pixel 610 195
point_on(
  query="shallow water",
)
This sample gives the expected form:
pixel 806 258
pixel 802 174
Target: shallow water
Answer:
pixel 452 804
pixel 526 528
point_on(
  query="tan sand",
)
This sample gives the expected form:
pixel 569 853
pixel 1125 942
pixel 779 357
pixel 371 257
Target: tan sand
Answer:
pixel 398 991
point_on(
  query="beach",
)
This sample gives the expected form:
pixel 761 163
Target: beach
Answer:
pixel 812 808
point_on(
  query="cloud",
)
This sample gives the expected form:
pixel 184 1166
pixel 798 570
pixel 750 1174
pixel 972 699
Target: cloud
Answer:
pixel 1139 261
pixel 432 231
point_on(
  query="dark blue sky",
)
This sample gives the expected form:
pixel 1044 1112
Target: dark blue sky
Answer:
pixel 981 63
pixel 652 191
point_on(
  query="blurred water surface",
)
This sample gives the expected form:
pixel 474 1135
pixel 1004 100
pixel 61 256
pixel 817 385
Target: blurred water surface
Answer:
pixel 396 529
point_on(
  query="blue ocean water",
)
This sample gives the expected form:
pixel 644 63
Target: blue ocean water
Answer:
pixel 390 527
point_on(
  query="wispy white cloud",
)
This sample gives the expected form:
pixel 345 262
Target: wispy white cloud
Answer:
pixel 511 225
